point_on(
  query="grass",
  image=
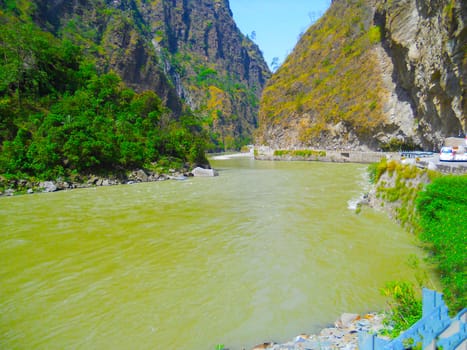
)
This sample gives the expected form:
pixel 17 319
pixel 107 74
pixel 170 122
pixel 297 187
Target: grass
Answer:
pixel 305 153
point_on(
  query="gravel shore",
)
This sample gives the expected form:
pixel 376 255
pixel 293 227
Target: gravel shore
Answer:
pixel 344 334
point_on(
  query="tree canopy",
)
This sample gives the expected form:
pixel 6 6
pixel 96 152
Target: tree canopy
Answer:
pixel 60 116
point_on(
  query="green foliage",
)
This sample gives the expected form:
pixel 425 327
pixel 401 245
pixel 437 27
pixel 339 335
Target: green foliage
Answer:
pixel 305 153
pixel 405 306
pixel 443 220
pixel 206 74
pixel 375 170
pixel 437 213
pixel 396 145
pixel 374 34
pixel 402 191
pixel 59 117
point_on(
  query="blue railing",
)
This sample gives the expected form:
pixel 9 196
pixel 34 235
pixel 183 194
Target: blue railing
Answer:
pixel 415 154
pixel 434 328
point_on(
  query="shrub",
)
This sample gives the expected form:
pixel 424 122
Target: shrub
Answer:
pixel 443 220
pixel 374 34
pixel 405 306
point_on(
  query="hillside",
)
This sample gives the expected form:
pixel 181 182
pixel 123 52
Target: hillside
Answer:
pixel 184 50
pixel 372 75
pixel 94 86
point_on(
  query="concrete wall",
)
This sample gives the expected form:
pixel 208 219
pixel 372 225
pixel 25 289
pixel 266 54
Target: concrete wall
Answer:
pixel 266 153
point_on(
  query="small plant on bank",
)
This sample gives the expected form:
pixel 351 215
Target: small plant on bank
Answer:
pixel 375 170
pixel 405 307
pixel 299 153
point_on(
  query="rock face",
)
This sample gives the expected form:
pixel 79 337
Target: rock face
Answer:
pixel 372 75
pixel 188 52
pixel 116 33
pixel 213 66
pixel 426 42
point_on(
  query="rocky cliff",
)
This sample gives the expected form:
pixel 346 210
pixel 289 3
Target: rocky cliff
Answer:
pixel 427 44
pixel 372 75
pixel 190 52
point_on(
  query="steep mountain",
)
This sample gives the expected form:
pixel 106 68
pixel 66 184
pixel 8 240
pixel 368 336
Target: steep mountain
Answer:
pixel 188 51
pixel 104 87
pixel 374 74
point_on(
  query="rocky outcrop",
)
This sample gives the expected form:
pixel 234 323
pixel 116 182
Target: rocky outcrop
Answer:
pixel 214 67
pixel 426 42
pixel 372 75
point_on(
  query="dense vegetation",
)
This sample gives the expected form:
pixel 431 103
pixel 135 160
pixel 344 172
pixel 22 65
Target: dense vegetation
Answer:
pixel 331 77
pixel 442 209
pixel 434 207
pixel 60 117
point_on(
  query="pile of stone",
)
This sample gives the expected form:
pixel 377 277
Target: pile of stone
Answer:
pixel 344 334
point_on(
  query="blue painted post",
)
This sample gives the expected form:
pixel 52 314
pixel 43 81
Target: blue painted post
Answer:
pixel 434 322
pixel 431 300
pixel 367 341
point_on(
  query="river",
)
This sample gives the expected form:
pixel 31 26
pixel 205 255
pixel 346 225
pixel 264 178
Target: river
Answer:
pixel 264 251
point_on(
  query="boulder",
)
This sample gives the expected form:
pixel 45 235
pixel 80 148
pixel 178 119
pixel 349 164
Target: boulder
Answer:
pixel 63 185
pixel 198 171
pixel 48 186
pixel 93 180
pixel 346 320
pixel 140 176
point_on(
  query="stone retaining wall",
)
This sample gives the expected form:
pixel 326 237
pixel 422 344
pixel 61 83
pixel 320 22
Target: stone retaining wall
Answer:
pixel 342 156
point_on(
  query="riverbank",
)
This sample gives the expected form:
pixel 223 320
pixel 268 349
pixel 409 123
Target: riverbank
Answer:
pixel 342 335
pixel 15 186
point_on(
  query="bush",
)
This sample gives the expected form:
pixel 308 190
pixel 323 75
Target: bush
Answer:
pixel 405 307
pixel 375 170
pixel 374 34
pixel 305 153
pixel 443 219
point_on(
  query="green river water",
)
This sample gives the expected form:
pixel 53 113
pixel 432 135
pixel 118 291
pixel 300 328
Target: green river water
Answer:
pixel 264 251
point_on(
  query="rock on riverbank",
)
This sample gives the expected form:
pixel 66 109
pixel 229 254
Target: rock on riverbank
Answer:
pixel 13 187
pixel 344 334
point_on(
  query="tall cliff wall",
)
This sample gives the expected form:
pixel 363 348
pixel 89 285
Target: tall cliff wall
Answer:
pixel 189 52
pixel 372 75
pixel 427 44
pixel 221 72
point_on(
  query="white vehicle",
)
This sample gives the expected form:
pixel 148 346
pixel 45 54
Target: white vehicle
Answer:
pixel 446 154
pixel 453 154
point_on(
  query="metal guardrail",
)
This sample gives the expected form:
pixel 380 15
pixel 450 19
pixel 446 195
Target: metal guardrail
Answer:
pixel 416 154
